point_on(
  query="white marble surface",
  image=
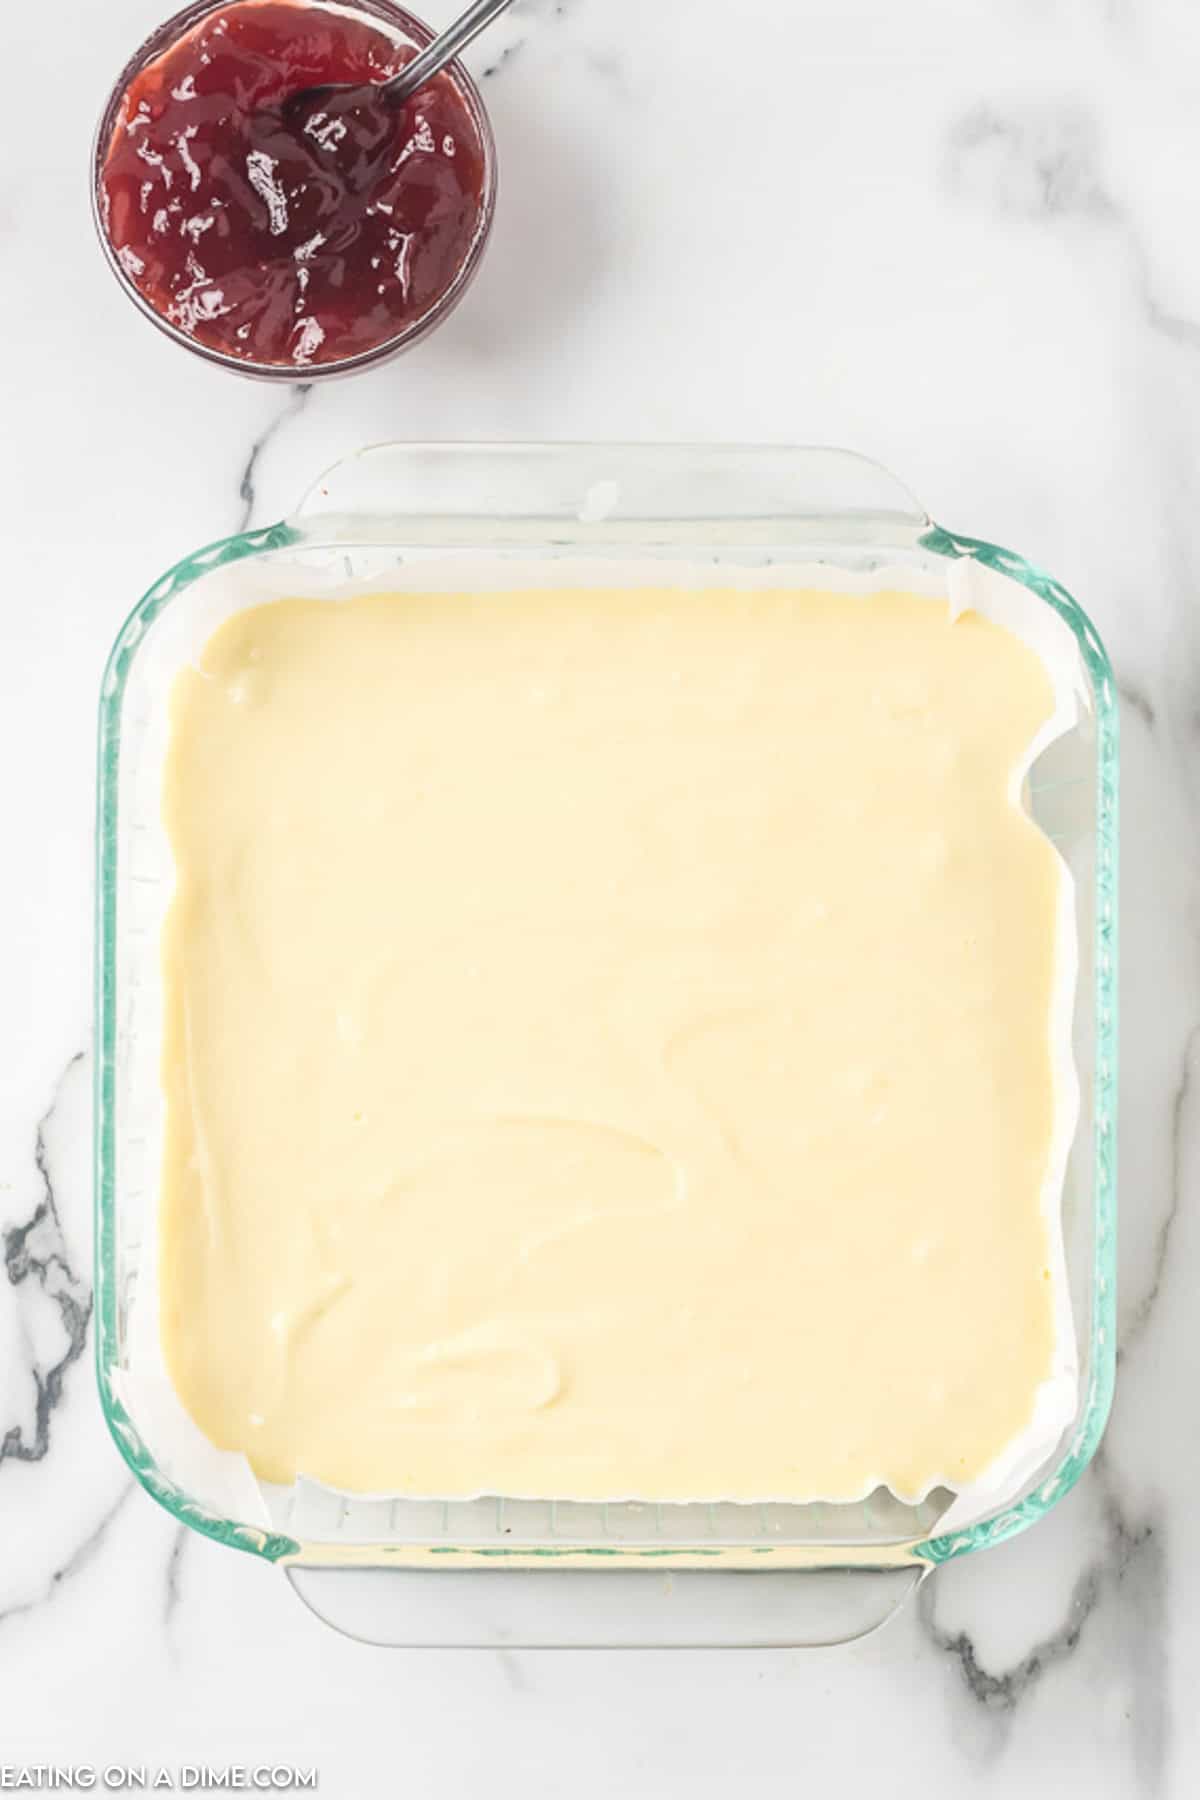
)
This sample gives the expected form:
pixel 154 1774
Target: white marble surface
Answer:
pixel 958 234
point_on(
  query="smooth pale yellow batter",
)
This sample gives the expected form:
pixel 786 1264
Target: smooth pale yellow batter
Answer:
pixel 608 1044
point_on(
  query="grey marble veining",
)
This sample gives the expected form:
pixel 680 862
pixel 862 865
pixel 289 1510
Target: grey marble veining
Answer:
pixel 1139 1314
pixel 41 1270
pixel 955 237
pixel 293 404
pixel 1123 1584
pixel 76 1560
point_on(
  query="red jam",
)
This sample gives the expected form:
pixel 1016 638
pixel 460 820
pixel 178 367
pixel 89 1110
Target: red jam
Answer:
pixel 282 240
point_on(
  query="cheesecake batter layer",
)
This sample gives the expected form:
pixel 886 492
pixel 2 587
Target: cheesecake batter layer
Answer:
pixel 608 1044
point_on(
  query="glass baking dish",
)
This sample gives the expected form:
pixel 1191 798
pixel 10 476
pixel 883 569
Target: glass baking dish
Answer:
pixel 491 1571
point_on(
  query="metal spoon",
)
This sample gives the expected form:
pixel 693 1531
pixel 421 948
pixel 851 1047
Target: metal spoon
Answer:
pixel 339 97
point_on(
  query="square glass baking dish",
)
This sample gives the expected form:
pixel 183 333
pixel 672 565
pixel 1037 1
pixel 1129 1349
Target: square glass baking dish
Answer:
pixel 490 1571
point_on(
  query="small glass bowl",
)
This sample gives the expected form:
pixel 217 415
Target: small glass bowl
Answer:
pixel 416 32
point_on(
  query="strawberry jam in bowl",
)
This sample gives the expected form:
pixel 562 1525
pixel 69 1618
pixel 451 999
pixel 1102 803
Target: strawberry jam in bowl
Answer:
pixel 282 238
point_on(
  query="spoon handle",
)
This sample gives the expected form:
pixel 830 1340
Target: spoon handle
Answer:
pixel 444 48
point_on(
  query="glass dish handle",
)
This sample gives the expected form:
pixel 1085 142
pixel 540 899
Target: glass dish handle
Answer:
pixel 490 495
pixel 605 1608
